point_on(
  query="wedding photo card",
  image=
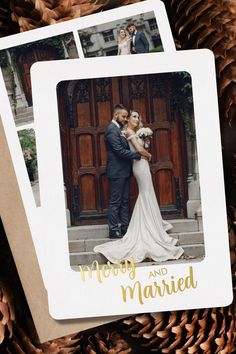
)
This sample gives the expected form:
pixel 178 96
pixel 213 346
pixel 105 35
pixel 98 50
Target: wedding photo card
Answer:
pixel 178 224
pixel 62 41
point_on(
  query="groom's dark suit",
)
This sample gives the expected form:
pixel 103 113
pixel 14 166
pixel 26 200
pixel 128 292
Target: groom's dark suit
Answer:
pixel 119 170
pixel 140 43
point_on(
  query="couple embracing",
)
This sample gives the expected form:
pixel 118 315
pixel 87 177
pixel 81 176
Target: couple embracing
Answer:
pixel 132 41
pixel 145 235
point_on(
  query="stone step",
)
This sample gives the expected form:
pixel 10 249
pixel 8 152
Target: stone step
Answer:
pixel 87 232
pixel 24 121
pixel 153 263
pixel 194 250
pixel 25 116
pixel 24 110
pixel 101 231
pixel 88 245
pixel 86 258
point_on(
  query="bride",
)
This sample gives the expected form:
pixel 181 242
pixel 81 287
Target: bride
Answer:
pixel 124 43
pixel 146 236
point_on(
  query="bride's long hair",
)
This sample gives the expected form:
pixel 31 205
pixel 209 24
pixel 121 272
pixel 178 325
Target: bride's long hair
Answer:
pixel 139 116
pixel 127 37
pixel 140 125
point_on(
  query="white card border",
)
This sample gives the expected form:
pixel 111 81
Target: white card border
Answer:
pixel 213 273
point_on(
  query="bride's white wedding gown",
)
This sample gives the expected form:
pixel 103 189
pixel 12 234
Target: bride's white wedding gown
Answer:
pixel 146 236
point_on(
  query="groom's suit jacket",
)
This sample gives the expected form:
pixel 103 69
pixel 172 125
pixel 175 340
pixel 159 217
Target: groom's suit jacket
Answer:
pixel 119 156
pixel 141 44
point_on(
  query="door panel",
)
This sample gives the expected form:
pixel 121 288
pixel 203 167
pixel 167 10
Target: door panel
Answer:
pixel 89 195
pixel 162 142
pixel 165 187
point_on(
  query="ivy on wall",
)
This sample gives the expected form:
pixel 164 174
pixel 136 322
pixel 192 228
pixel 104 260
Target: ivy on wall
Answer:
pixel 28 145
pixel 55 42
pixel 3 59
pixel 182 100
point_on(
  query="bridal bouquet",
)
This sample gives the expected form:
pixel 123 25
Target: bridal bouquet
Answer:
pixel 145 134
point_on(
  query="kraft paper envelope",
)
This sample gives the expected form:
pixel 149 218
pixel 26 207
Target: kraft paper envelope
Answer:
pixel 18 233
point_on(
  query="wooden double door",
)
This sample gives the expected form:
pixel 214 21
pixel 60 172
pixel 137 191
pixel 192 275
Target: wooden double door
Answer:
pixel 85 110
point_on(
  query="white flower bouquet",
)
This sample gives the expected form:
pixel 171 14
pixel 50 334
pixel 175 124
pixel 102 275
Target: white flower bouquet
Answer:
pixel 145 134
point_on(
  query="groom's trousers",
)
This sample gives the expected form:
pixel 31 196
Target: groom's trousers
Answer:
pixel 118 210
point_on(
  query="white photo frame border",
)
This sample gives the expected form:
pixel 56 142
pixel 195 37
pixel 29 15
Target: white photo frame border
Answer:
pixel 86 299
pixel 33 213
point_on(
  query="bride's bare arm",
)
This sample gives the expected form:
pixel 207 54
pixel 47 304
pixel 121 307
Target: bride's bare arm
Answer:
pixel 143 152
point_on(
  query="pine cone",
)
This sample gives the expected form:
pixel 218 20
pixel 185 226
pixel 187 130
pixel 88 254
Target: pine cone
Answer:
pixel 7 314
pixel 21 343
pixel 200 331
pixel 101 340
pixel 6 25
pixel 38 13
pixel 210 24
pixel 65 345
pixel 107 343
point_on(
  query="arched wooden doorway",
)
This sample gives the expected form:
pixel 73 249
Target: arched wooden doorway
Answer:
pixel 27 57
pixel 85 110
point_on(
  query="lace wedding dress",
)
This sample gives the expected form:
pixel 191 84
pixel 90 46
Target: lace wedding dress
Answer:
pixel 146 236
pixel 124 47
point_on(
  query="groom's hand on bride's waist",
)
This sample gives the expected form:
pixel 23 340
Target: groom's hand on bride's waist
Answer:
pixel 148 158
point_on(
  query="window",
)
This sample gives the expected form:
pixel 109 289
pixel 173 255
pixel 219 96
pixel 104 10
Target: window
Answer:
pixel 111 52
pixel 108 36
pixel 156 40
pixel 152 24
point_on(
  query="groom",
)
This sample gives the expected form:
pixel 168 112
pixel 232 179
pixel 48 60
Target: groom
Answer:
pixel 119 170
pixel 139 42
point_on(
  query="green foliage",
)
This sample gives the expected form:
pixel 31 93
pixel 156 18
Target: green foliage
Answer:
pixel 157 49
pixel 183 90
pixel 3 59
pixel 183 100
pixel 28 145
pixel 55 42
